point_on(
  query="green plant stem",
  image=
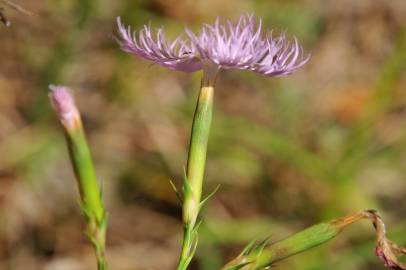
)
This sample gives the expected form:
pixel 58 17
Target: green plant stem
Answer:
pixel 194 173
pixel 84 171
pixel 92 205
pixel 197 153
pixel 263 255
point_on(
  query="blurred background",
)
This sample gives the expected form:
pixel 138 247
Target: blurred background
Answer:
pixel 288 152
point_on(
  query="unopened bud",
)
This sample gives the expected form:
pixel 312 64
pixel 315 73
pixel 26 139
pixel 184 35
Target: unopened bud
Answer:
pixel 64 105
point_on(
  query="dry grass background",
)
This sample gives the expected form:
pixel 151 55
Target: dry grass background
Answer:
pixel 288 152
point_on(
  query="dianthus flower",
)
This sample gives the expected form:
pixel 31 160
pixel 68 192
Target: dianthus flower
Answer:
pixel 243 45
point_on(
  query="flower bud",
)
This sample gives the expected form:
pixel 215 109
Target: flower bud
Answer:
pixel 64 105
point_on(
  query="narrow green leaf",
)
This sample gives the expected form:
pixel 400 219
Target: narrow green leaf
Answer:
pixel 203 202
pixel 175 189
pixel 248 248
pixel 238 266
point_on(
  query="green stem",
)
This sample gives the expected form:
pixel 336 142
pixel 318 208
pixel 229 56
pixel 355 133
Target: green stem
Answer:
pixel 195 172
pixel 92 205
pixel 187 244
pixel 262 256
pixel 101 260
pixel 197 154
pixel 85 174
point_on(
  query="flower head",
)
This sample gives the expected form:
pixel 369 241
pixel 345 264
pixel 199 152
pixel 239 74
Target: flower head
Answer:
pixel 64 105
pixel 177 55
pixel 229 46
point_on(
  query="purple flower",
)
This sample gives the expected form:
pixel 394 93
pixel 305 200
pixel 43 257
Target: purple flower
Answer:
pixel 177 55
pixel 230 46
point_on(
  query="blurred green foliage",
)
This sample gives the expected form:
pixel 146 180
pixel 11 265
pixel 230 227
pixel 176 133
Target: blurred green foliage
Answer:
pixel 288 152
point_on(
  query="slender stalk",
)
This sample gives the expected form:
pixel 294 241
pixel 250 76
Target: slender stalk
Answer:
pixel 261 256
pixel 81 159
pixel 195 172
pixel 197 153
pixel 92 204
